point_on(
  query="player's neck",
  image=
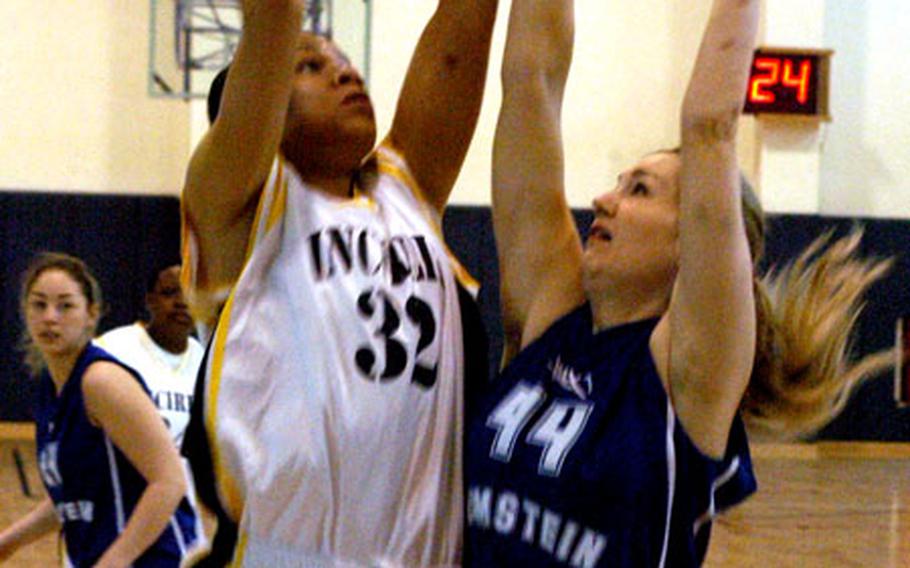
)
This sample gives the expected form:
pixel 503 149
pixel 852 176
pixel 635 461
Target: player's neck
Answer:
pixel 169 340
pixel 331 168
pixel 336 185
pixel 611 311
pixel 60 367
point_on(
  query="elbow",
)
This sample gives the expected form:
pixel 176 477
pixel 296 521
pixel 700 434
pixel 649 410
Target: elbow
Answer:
pixel 177 485
pixel 709 126
pixel 181 486
pixel 172 489
pixel 529 71
pixel 176 491
pixel 538 56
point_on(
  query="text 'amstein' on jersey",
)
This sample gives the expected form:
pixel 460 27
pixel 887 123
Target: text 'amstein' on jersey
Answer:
pixel 564 539
pixel 76 511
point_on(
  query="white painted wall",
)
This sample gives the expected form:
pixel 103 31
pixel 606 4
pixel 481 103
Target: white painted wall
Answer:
pixel 74 115
pixel 788 167
pixel 632 61
pixel 866 156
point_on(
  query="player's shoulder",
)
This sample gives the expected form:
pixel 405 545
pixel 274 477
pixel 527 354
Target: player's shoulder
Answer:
pixel 103 375
pixel 120 334
pixel 195 348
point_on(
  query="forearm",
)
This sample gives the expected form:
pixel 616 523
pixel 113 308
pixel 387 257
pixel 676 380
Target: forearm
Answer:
pixel 539 250
pixel 539 43
pixel 233 159
pixel 710 115
pixel 527 148
pixel 145 525
pixel 717 88
pixel 37 523
pixel 440 99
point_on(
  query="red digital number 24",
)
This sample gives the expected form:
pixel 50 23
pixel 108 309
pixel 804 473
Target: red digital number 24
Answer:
pixel 760 86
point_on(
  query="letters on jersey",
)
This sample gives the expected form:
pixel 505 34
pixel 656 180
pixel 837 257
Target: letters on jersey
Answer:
pixel 337 252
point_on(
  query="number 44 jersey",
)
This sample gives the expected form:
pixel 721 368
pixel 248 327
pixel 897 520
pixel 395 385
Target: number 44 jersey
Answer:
pixel 333 383
pixel 575 458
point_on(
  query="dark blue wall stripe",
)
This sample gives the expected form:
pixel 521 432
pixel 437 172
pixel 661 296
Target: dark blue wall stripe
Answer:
pixel 124 237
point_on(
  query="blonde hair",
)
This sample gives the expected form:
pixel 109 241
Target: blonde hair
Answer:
pixel 803 374
pixel 79 272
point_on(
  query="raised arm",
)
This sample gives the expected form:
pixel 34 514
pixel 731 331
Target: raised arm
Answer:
pixel 712 311
pixel 538 246
pixel 116 403
pixel 442 92
pixel 231 163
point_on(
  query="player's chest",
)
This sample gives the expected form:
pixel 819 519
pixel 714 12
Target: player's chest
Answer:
pixel 68 447
pixel 363 243
pixel 573 434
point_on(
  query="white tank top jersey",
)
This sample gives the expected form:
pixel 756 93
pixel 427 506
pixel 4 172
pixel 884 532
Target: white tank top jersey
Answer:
pixel 171 377
pixel 333 395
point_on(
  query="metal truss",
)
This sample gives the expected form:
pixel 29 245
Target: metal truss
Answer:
pixel 208 30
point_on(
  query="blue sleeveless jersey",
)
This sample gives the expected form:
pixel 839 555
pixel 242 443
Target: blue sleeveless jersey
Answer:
pixel 575 458
pixel 93 486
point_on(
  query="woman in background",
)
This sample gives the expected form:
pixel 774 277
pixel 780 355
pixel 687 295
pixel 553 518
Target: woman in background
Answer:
pixel 162 349
pixel 113 477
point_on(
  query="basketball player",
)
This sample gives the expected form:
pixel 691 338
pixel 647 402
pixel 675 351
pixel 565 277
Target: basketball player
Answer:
pixel 332 390
pixel 613 435
pixel 162 349
pixel 112 474
pixel 165 354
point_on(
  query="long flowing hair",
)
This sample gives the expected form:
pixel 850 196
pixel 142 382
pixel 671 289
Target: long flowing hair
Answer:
pixel 804 372
pixel 806 310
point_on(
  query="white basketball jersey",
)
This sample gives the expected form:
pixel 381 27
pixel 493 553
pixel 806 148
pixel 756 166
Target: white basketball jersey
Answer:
pixel 334 382
pixel 170 377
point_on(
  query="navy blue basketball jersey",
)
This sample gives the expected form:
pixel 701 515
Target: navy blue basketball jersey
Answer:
pixel 576 458
pixel 93 486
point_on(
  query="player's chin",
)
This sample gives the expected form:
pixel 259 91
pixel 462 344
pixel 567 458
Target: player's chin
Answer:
pixel 595 254
pixel 362 132
pixel 362 123
pixel 594 264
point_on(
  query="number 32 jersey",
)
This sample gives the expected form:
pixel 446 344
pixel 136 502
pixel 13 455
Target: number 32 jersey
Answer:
pixel 576 458
pixel 333 383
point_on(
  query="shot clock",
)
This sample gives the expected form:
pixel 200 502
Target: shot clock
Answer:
pixel 789 82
